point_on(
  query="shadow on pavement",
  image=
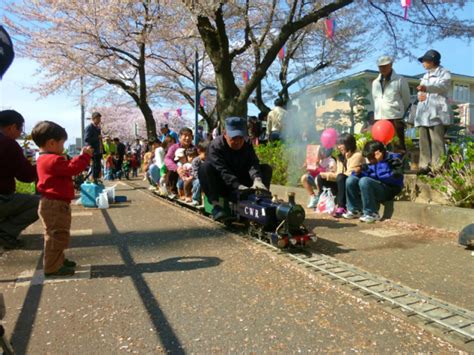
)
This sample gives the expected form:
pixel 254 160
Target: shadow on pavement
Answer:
pixel 24 325
pixel 151 239
pixel 165 332
pixel 329 247
pixel 173 264
pixel 329 223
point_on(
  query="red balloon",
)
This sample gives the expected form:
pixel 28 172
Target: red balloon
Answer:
pixel 383 131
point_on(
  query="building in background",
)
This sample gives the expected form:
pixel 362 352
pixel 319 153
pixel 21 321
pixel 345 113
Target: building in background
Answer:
pixel 330 112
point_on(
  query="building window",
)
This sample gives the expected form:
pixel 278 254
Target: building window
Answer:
pixel 461 93
pixel 320 100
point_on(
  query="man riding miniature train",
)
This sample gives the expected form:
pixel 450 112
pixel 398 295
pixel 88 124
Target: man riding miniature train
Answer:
pixel 231 166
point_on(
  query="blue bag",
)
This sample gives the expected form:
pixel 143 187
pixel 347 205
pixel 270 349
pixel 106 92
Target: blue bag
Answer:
pixel 89 193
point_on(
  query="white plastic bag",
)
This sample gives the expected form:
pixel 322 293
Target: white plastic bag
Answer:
pixel 102 201
pixel 326 202
pixel 110 193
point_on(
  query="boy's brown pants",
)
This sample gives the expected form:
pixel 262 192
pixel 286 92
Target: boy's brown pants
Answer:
pixel 56 218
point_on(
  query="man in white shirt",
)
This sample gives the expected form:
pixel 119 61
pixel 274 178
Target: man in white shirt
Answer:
pixel 391 96
pixel 275 121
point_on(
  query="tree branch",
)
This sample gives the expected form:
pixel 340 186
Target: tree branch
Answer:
pixel 247 43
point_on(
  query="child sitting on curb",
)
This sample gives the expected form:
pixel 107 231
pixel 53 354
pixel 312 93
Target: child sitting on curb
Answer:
pixel 196 163
pixel 379 181
pixel 325 163
pixel 56 188
pixel 188 178
pixel 349 160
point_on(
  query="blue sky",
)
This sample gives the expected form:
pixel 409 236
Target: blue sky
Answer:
pixel 457 56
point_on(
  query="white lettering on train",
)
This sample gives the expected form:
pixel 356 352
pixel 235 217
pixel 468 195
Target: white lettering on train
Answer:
pixel 251 211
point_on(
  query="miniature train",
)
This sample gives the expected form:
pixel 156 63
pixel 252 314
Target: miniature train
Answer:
pixel 270 219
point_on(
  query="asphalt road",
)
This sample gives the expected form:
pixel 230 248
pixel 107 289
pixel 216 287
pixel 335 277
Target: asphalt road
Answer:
pixel 165 280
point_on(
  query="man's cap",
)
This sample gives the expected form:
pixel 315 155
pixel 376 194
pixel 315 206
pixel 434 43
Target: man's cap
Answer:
pixel 431 56
pixel 96 115
pixel 164 125
pixel 236 127
pixel 180 152
pixel 384 60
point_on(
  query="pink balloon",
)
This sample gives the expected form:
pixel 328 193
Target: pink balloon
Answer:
pixel 329 138
pixel 383 131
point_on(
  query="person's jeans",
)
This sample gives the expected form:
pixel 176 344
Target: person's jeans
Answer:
pixel 341 190
pixel 365 194
pixel 154 174
pixel 196 190
pixel 96 166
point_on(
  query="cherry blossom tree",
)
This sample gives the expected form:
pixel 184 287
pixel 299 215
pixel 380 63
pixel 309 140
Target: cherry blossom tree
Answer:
pixel 110 44
pixel 146 48
pixel 216 24
pixel 126 122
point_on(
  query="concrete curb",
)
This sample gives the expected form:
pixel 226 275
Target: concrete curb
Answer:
pixel 430 215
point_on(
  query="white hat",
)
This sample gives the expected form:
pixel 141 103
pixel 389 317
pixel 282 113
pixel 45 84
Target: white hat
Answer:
pixel 180 152
pixel 384 60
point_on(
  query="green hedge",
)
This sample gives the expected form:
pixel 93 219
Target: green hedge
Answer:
pixel 286 161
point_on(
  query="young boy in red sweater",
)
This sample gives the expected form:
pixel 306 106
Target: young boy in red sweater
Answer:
pixel 55 185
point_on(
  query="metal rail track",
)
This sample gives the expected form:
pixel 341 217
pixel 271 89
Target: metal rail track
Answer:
pixel 450 318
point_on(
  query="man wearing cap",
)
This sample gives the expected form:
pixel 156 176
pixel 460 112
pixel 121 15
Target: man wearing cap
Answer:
pixel 433 113
pixel 391 96
pixel 93 138
pixel 165 131
pixel 231 165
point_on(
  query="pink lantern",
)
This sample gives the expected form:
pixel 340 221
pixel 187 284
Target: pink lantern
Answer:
pixel 329 138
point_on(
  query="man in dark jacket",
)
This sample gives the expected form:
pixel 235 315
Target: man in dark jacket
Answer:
pixel 121 150
pixel 93 138
pixel 231 165
pixel 17 211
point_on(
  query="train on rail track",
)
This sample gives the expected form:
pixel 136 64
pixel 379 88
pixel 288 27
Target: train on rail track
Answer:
pixel 265 217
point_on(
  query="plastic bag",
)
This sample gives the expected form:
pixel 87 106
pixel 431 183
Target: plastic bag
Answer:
pixel 326 202
pixel 110 193
pixel 102 201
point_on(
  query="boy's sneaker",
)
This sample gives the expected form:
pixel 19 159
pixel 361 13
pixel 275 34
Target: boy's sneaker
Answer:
pixel 63 271
pixel 195 203
pixel 351 214
pixel 313 201
pixel 69 263
pixel 370 218
pixel 218 213
pixel 339 212
pixel 172 196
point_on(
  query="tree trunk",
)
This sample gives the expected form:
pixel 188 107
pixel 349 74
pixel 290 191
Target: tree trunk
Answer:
pixel 230 100
pixel 149 120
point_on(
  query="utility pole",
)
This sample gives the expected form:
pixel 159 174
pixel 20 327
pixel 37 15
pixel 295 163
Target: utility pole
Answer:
pixel 196 97
pixel 83 112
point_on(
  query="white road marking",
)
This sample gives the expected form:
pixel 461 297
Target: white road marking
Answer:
pixel 81 214
pixel 36 277
pixel 80 232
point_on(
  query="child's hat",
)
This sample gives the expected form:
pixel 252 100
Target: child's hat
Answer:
pixel 179 153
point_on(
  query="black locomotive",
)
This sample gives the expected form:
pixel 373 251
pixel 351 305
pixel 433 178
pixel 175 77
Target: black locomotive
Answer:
pixel 278 222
